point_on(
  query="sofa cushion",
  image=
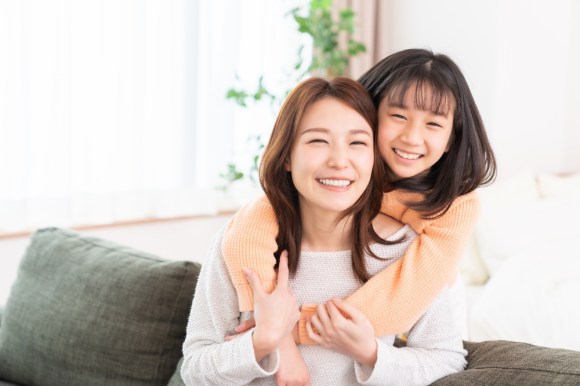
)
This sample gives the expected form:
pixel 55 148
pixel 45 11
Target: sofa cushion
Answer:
pixel 510 363
pixel 85 311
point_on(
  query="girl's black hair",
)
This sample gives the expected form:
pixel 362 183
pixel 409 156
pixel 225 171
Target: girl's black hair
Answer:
pixel 470 161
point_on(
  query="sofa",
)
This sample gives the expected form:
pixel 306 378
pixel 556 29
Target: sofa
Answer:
pixel 523 264
pixel 86 311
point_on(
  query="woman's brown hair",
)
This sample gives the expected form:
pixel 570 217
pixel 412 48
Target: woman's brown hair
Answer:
pixel 277 182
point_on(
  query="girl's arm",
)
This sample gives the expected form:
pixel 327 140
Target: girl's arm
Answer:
pixel 395 298
pixel 404 290
pixel 208 360
pixel 250 241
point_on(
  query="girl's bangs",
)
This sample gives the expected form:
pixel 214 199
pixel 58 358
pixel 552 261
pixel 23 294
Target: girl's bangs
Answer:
pixel 431 93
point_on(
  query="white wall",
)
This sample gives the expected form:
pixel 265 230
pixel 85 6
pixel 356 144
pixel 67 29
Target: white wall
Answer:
pixel 173 240
pixel 520 59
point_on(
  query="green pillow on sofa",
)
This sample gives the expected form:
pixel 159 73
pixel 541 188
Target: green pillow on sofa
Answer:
pixel 501 362
pixel 85 311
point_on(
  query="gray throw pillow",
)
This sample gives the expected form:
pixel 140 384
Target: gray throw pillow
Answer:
pixel 501 363
pixel 85 311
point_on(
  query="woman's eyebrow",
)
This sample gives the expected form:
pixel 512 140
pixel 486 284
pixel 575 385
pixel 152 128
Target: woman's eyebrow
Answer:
pixel 360 131
pixel 325 131
pixel 315 130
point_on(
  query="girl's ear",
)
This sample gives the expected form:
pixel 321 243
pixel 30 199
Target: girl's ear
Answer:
pixel 287 165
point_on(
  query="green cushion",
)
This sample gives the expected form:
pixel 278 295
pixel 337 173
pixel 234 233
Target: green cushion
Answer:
pixel 84 311
pixel 511 363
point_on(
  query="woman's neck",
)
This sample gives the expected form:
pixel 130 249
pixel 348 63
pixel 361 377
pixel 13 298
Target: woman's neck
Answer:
pixel 324 232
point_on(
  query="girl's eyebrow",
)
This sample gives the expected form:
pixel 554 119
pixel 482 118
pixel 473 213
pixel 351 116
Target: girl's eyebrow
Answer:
pixel 402 106
pixel 398 105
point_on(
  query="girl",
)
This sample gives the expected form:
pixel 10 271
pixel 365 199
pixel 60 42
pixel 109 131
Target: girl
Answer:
pixel 434 144
pixel 324 181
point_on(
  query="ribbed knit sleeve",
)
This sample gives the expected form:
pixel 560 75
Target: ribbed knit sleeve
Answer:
pixel 250 241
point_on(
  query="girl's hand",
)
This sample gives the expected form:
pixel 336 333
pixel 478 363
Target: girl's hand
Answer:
pixel 239 330
pixel 275 314
pixel 342 327
pixel 293 371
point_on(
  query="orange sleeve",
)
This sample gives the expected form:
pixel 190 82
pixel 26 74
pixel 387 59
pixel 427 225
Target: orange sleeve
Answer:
pixel 250 241
pixel 395 298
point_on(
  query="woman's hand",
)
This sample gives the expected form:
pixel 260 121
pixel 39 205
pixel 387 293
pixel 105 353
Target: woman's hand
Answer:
pixel 293 371
pixel 344 328
pixel 275 313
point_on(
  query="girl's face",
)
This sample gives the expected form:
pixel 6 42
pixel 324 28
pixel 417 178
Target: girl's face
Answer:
pixel 331 160
pixel 412 140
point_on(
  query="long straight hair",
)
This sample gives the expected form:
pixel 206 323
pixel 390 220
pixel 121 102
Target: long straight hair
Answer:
pixel 277 181
pixel 470 161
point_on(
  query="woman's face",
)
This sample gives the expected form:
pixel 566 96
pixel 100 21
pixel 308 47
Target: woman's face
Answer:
pixel 412 140
pixel 331 160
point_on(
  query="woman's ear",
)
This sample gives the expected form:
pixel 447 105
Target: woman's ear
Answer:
pixel 287 165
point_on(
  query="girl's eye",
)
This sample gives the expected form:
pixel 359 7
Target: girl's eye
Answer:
pixel 398 116
pixel 434 124
pixel 359 143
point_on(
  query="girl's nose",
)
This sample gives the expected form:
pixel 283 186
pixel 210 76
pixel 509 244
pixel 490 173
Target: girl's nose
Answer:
pixel 412 134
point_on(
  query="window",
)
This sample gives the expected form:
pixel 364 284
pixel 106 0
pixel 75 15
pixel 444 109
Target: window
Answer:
pixel 116 110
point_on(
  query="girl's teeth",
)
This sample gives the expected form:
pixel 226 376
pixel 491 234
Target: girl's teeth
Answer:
pixel 407 155
pixel 340 183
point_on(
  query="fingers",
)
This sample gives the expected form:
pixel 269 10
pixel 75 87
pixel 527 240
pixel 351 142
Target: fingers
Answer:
pixel 245 326
pixel 254 281
pixel 227 338
pixel 283 271
pixel 311 334
pixel 348 310
pixel 334 313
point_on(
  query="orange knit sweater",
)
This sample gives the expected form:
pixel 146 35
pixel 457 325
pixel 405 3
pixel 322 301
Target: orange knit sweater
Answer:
pixel 394 299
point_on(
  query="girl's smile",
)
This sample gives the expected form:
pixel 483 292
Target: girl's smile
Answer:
pixel 411 139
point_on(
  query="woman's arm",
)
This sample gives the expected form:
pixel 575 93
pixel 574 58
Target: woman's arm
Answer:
pixel 395 298
pixel 208 359
pixel 434 350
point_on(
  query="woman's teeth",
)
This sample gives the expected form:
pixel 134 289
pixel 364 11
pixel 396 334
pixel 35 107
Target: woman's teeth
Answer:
pixel 340 183
pixel 410 156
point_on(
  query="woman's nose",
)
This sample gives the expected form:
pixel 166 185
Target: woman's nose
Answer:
pixel 338 157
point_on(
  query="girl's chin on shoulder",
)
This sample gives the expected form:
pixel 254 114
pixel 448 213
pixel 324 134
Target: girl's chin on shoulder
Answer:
pixel 386 226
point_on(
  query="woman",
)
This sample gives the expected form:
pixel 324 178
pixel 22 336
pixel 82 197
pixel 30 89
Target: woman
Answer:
pixel 323 177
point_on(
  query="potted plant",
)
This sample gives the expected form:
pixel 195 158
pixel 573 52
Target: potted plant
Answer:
pixel 330 57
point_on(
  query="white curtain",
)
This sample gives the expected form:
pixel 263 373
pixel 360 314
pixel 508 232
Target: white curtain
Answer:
pixel 114 110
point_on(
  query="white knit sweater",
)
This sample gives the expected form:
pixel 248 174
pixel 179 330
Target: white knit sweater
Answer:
pixel 434 346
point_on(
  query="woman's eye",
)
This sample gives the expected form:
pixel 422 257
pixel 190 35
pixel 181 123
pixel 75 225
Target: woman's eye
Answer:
pixel 317 140
pixel 359 143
